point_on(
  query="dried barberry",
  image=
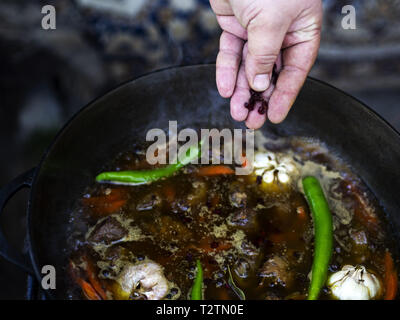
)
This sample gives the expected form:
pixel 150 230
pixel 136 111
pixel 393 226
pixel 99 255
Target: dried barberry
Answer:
pixel 256 97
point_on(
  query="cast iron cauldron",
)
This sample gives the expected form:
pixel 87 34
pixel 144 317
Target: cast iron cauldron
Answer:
pixel 186 94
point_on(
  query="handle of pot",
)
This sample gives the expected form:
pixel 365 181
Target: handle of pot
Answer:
pixel 6 250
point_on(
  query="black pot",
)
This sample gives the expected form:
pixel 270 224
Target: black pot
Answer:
pixel 186 94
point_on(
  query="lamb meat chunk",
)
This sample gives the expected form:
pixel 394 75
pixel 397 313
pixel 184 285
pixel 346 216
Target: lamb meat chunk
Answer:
pixel 359 237
pixel 237 195
pixel 276 271
pixel 238 199
pixel 244 218
pixel 149 202
pixel 107 231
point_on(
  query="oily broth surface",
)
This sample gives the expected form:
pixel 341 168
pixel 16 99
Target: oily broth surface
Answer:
pixel 186 217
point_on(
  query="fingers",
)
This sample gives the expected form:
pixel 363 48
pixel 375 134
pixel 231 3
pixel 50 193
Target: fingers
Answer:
pixel 264 41
pixel 228 60
pixel 241 94
pixel 266 29
pixel 297 62
pixel 255 120
pixel 231 24
pixel 221 7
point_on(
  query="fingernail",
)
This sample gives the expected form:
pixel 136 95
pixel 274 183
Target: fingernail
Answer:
pixel 261 82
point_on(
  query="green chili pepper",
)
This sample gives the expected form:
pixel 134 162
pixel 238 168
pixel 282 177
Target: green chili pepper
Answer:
pixel 144 176
pixel 323 235
pixel 197 289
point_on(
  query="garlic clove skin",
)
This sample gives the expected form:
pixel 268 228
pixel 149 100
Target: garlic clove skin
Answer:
pixel 350 290
pixel 264 160
pixel 268 176
pixel 354 283
pixel 283 177
pixel 275 169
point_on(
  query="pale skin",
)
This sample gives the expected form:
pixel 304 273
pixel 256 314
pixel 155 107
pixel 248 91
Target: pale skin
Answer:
pixel 256 35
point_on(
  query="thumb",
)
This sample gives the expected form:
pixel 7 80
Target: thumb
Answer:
pixel 265 38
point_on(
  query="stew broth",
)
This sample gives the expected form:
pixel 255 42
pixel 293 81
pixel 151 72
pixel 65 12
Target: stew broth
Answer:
pixel 262 232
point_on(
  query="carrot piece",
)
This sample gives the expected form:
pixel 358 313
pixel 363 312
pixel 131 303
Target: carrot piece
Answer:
pixel 107 204
pixel 391 287
pixel 88 290
pixel 116 194
pixel 170 193
pixel 224 246
pixel 391 281
pixel 114 206
pixel 107 208
pixel 94 281
pixel 301 213
pixel 214 170
pixel 92 289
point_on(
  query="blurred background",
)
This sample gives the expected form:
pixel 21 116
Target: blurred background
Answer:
pixel 48 75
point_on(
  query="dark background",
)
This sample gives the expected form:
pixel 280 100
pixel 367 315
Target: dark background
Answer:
pixel 48 75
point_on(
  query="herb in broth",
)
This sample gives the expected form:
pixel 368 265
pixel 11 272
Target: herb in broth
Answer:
pixel 255 231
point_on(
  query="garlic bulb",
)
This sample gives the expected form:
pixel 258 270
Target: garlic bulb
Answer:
pixel 354 283
pixel 273 169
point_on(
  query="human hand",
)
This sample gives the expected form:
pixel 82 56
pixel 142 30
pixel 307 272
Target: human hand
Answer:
pixel 256 35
